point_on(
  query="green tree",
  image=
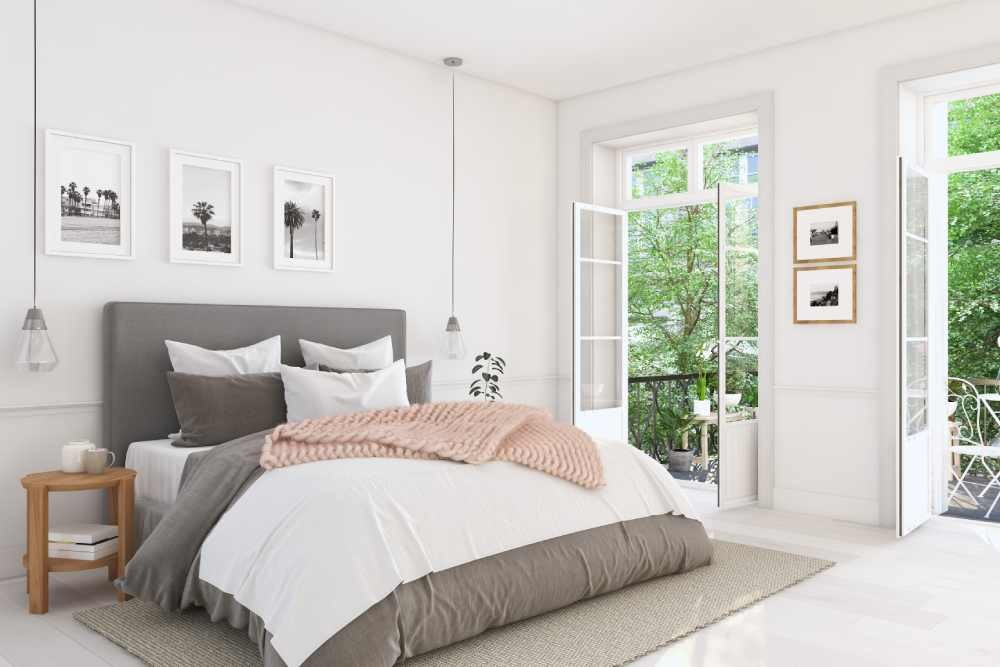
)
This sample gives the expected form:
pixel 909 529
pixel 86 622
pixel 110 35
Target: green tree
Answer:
pixel 974 242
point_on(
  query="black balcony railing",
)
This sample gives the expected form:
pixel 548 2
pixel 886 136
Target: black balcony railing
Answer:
pixel 657 406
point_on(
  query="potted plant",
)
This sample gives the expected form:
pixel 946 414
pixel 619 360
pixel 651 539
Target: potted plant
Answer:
pixel 681 456
pixel 702 405
pixel 733 397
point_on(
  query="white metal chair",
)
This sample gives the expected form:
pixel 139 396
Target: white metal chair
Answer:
pixel 970 406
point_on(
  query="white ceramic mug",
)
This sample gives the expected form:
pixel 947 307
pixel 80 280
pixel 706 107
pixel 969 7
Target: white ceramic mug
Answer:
pixel 72 455
pixel 96 461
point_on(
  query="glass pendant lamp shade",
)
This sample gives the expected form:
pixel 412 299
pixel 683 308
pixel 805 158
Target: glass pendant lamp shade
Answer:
pixel 454 344
pixel 34 349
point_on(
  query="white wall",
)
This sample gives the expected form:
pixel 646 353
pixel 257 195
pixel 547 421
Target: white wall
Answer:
pixel 830 456
pixel 211 77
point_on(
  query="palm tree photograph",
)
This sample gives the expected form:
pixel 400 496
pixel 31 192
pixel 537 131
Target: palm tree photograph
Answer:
pixel 304 221
pixel 88 197
pixel 206 210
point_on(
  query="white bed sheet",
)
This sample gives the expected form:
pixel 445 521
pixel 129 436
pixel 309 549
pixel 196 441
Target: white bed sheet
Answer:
pixel 159 466
pixel 309 548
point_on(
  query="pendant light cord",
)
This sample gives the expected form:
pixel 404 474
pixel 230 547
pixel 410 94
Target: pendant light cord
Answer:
pixel 34 159
pixel 453 194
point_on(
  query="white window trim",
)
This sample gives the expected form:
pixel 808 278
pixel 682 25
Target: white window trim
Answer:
pixel 696 192
pixel 934 138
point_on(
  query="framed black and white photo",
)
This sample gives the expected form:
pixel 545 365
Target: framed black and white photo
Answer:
pixel 206 209
pixel 825 232
pixel 303 220
pixel 825 294
pixel 89 184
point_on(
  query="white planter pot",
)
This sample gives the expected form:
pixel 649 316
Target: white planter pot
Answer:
pixel 732 400
pixel 702 408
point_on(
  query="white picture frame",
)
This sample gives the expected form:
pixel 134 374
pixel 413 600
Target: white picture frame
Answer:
pixel 825 233
pixel 825 294
pixel 80 221
pixel 314 194
pixel 206 188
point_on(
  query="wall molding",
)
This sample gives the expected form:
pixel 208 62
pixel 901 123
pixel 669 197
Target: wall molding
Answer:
pixel 843 508
pixel 519 379
pixel 827 389
pixel 36 409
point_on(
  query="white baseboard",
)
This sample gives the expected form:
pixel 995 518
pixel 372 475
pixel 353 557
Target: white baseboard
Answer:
pixel 844 508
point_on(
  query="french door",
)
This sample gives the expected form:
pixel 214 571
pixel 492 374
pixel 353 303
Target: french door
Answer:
pixel 921 381
pixel 600 332
pixel 600 321
pixel 738 343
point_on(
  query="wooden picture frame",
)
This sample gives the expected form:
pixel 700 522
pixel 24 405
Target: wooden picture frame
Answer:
pixel 809 312
pixel 811 233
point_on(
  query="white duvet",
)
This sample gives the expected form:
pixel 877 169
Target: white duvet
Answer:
pixel 311 547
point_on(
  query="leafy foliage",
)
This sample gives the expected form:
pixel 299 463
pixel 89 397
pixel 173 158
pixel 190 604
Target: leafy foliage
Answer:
pixel 487 371
pixel 974 242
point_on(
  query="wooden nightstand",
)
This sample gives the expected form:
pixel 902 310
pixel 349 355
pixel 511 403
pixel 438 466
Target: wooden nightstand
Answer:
pixel 120 483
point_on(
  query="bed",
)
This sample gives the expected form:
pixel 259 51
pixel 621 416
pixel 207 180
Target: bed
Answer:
pixel 365 561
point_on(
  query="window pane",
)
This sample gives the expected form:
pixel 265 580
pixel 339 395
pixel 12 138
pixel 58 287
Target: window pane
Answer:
pixel 600 381
pixel 916 203
pixel 658 173
pixel 916 288
pixel 600 299
pixel 733 161
pixel 599 235
pixel 916 386
pixel 673 289
pixel 974 125
pixel 741 375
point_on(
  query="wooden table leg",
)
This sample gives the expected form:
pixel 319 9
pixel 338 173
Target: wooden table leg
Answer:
pixel 111 496
pixel 38 550
pixel 126 494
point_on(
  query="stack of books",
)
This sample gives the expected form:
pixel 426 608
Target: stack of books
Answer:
pixel 83 541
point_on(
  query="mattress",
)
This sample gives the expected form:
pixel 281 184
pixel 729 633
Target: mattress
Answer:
pixel 160 466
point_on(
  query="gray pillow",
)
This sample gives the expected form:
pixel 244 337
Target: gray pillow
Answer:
pixel 216 409
pixel 418 381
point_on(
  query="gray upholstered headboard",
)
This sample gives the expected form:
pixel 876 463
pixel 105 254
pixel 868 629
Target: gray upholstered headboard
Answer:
pixel 137 402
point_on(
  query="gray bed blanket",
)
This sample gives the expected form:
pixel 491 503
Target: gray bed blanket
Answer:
pixel 212 481
pixel 434 611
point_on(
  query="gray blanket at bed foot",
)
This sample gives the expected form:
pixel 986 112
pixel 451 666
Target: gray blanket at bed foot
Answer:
pixel 446 607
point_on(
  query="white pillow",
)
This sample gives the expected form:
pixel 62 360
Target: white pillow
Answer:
pixel 262 357
pixel 310 394
pixel 368 357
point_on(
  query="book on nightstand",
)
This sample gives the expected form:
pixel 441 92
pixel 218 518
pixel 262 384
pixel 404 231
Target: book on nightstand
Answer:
pixel 83 541
pixel 83 551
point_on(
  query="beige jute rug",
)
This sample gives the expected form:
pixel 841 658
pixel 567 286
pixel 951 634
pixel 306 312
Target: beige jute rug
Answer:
pixel 609 630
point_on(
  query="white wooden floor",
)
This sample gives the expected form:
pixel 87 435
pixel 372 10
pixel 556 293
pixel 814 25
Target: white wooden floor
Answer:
pixel 932 599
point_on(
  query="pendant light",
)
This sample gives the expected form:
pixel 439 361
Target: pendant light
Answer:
pixel 453 344
pixel 34 349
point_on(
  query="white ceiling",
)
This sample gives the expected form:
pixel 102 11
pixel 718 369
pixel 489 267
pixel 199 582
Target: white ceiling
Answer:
pixel 564 48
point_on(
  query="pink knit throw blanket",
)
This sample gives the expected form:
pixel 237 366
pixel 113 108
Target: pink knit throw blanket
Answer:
pixel 460 431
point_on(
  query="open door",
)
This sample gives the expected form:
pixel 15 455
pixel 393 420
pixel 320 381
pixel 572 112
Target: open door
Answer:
pixel 914 443
pixel 738 344
pixel 600 321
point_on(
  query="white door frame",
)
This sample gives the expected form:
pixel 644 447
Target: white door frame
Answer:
pixel 890 80
pixel 761 104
